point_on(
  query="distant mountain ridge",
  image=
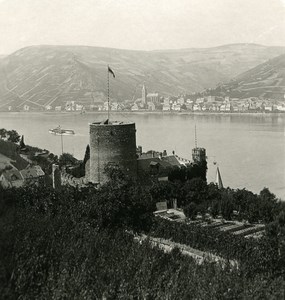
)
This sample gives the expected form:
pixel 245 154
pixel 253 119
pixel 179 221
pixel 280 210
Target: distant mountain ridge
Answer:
pixel 266 80
pixel 51 75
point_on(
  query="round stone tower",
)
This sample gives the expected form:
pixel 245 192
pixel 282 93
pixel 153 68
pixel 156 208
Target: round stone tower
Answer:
pixel 112 143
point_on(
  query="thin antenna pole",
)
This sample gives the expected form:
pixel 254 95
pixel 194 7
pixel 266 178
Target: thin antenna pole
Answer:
pixel 98 160
pixel 108 93
pixel 195 137
pixel 61 139
pixel 61 142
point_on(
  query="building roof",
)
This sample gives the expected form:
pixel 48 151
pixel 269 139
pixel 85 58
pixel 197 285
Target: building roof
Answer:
pixel 32 172
pixel 108 122
pixel 149 154
pixel 12 175
pixel 163 164
pixel 172 160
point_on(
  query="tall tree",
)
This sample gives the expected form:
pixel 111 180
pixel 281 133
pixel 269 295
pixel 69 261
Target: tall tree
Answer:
pixel 13 136
pixel 196 190
pixel 67 159
pixel 22 143
pixel 87 155
pixel 3 133
pixel 191 210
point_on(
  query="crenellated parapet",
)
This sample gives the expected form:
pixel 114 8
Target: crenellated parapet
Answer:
pixel 61 177
pixel 68 179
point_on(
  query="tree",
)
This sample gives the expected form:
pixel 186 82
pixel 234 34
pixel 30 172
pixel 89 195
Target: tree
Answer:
pixel 227 208
pixel 191 211
pixel 22 143
pixel 265 194
pixel 51 156
pixel 267 210
pixel 196 190
pixel 197 170
pixel 121 203
pixel 3 133
pixel 87 155
pixel 275 231
pixel 176 174
pixel 81 170
pixel 215 208
pixel 163 191
pixel 67 159
pixel 13 136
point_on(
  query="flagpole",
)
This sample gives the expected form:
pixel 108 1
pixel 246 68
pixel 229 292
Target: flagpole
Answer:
pixel 108 89
pixel 195 137
pixel 61 143
pixel 61 139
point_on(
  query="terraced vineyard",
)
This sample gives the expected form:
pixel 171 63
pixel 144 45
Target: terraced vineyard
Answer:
pixel 236 228
pixel 266 80
pixel 233 227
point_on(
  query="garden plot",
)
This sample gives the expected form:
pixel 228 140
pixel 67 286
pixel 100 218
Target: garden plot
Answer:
pixel 234 227
pixel 249 230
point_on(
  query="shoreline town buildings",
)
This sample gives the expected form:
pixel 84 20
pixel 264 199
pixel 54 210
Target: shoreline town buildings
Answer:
pixel 155 101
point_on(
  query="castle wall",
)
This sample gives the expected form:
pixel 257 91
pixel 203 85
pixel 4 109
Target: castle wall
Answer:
pixel 60 178
pixel 67 179
pixel 112 143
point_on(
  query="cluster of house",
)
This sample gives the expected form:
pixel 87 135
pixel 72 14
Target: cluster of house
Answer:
pixel 158 164
pixel 155 102
pixel 16 169
pixel 214 104
pixel 69 106
pixel 149 101
pixel 16 178
pixel 206 104
pixel 152 101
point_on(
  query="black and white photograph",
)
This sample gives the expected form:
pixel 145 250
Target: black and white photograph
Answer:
pixel 142 149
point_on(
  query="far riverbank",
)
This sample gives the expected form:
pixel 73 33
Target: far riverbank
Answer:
pixel 191 113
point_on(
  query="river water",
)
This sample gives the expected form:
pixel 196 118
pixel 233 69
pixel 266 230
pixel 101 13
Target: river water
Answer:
pixel 249 149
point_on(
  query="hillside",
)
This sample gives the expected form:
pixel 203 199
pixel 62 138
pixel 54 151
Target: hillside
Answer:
pixel 266 80
pixel 51 75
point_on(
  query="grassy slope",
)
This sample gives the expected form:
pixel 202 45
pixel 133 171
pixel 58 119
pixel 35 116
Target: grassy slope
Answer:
pixel 266 80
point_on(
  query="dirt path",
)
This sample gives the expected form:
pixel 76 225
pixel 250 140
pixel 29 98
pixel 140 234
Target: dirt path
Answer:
pixel 198 255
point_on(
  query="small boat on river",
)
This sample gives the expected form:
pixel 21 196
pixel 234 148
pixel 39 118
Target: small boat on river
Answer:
pixel 60 131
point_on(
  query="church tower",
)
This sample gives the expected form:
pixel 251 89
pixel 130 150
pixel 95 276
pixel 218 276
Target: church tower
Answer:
pixel 219 179
pixel 144 94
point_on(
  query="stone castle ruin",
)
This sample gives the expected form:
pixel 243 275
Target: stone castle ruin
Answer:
pixel 113 143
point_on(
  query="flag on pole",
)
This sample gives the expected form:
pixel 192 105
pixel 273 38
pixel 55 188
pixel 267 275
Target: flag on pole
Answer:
pixel 111 71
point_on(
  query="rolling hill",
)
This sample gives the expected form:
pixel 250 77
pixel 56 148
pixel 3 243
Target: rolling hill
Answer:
pixel 51 75
pixel 266 80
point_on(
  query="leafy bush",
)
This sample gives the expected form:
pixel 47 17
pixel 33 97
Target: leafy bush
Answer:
pixel 190 210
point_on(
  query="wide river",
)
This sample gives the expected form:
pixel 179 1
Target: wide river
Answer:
pixel 249 149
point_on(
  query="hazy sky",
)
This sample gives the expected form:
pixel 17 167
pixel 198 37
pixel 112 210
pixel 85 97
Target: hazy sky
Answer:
pixel 140 24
